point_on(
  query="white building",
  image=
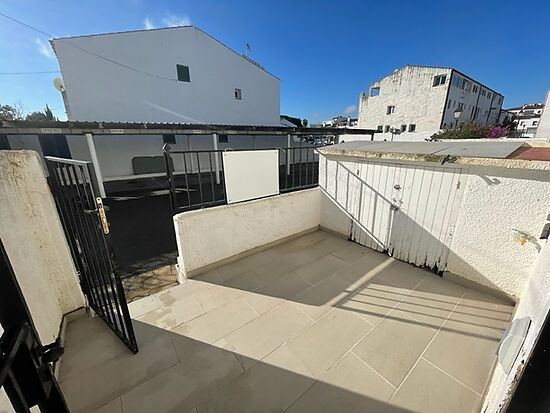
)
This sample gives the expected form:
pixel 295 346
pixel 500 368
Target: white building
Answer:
pixel 543 130
pixel 420 100
pixel 178 74
pixel 526 118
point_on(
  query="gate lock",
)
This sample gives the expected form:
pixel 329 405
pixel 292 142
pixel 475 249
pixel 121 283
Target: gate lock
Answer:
pixel 102 216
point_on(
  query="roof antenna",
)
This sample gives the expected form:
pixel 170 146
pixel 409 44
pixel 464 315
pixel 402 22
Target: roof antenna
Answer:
pixel 248 49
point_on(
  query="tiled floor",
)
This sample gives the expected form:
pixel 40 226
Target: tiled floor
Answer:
pixel 317 324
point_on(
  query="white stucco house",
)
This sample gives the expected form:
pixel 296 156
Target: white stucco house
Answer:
pixel 176 74
pixel 526 118
pixel 420 100
pixel 543 130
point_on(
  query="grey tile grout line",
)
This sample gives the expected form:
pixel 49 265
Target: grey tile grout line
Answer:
pixel 374 327
pixel 373 369
pixel 451 376
pixel 426 348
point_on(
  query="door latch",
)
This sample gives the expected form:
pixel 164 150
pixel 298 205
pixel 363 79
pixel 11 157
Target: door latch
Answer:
pixel 102 216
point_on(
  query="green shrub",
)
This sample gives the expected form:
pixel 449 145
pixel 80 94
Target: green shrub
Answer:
pixel 467 130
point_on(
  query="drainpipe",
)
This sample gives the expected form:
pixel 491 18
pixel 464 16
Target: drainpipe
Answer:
pixel 95 162
pixel 217 161
pixel 288 153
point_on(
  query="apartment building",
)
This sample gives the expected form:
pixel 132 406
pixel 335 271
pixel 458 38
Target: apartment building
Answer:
pixel 424 99
pixel 527 118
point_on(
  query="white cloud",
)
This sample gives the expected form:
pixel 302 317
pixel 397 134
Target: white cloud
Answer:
pixel 173 21
pixel 170 20
pixel 44 49
pixel 350 109
pixel 148 23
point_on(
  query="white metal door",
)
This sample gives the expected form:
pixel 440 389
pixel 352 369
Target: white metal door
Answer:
pixel 407 210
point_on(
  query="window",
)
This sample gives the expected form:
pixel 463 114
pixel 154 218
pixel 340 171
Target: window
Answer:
pixel 403 128
pixel 380 128
pixel 169 138
pixel 535 122
pixel 183 73
pixel 412 127
pixel 475 89
pixel 439 80
pixel 390 110
pixel 456 81
pixel 222 138
pixel 482 92
pixel 387 128
pixel 238 94
pixel 449 104
pixel 489 94
pixel 374 91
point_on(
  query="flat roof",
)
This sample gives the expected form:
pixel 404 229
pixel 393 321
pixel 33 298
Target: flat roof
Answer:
pixel 507 154
pixel 26 127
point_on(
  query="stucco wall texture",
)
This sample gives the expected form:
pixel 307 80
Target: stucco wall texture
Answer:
pixel 35 243
pixel 210 235
pixel 495 242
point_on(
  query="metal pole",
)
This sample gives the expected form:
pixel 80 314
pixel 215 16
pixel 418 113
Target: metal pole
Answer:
pixel 288 139
pixel 95 162
pixel 170 176
pixel 216 160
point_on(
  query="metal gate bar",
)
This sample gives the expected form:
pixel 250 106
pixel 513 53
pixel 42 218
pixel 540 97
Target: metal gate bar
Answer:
pixel 72 185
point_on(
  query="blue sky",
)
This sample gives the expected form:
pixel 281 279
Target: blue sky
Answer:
pixel 325 53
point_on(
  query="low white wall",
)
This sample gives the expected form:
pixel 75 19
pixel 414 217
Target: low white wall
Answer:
pixel 535 304
pixel 495 241
pixel 35 243
pixel 210 235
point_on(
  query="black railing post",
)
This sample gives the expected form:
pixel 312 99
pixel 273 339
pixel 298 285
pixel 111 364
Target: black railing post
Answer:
pixel 170 176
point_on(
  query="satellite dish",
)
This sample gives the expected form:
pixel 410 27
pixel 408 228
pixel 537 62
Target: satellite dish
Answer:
pixel 58 84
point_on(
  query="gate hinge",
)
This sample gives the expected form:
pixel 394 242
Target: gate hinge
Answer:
pixel 102 216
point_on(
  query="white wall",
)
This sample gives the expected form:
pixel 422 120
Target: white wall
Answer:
pixel 35 243
pixel 410 89
pixel 543 130
pixel 535 304
pixel 500 208
pixel 98 90
pixel 210 235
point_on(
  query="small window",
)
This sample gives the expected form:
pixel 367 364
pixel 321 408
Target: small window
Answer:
pixel 390 110
pixel 374 91
pixel 475 89
pixel 183 73
pixel 169 138
pixel 380 128
pixel 489 94
pixel 449 104
pixel 222 138
pixel 387 128
pixel 439 80
pixel 238 94
pixel 535 122
pixel 403 128
pixel 412 127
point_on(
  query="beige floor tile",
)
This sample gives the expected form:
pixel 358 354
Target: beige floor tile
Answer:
pixel 360 272
pixel 185 385
pixel 217 295
pixel 350 385
pixel 351 252
pixel 374 301
pixel 248 281
pixel 108 380
pixel 323 343
pixel 211 276
pixel 428 389
pixel 139 307
pixel 477 308
pixel 297 244
pixel 85 354
pixel 172 315
pixel 269 386
pixel 319 269
pixel 248 263
pixel 262 303
pixel 145 332
pixel 83 328
pixel 114 406
pixel 212 326
pixel 394 345
pixel 465 351
pixel 320 298
pixel 260 337
pixel 285 287
pixel 403 275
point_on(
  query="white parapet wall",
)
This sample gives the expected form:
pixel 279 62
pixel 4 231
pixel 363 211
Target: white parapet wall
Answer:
pixel 209 236
pixel 35 243
pixel 534 304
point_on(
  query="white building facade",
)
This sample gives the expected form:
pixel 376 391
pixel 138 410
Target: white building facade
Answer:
pixel 527 118
pixel 180 75
pixel 543 130
pixel 420 100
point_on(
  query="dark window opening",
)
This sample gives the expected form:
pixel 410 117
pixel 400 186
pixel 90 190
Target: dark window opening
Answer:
pixel 169 138
pixel 222 138
pixel 439 80
pixel 238 94
pixel 390 110
pixel 387 128
pixel 374 91
pixel 403 128
pixel 380 128
pixel 412 127
pixel 183 73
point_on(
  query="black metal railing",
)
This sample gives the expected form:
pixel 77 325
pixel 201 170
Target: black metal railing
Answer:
pixel 196 179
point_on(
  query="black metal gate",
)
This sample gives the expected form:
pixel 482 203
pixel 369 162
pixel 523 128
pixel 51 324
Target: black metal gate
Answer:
pixel 83 217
